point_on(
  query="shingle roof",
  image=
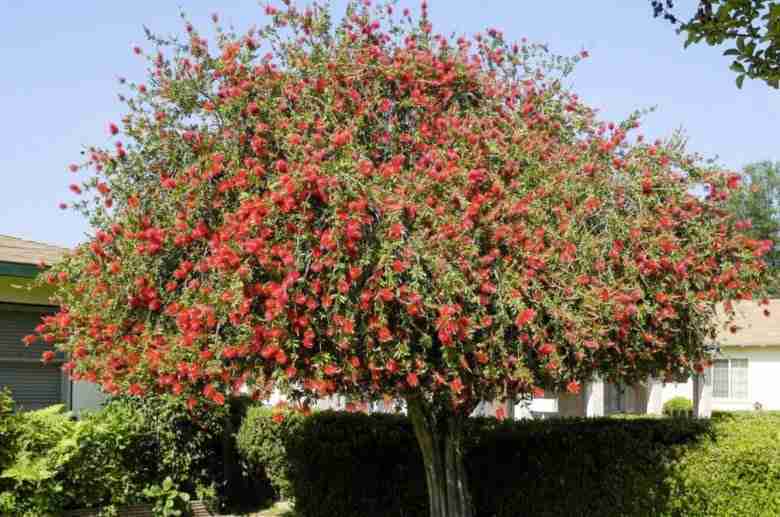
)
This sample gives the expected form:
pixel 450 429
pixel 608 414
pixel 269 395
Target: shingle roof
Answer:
pixel 21 251
pixel 753 327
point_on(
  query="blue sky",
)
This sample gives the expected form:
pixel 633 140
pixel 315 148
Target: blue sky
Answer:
pixel 61 59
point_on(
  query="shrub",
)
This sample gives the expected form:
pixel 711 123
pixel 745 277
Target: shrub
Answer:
pixel 678 407
pixel 354 465
pixel 737 473
pixel 130 451
pixel 263 445
pixel 333 463
pixel 8 428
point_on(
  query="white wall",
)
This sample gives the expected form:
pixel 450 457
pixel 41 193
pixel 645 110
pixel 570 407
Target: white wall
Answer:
pixel 85 396
pixel 763 380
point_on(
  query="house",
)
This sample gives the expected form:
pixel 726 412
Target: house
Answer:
pixel 33 385
pixel 745 375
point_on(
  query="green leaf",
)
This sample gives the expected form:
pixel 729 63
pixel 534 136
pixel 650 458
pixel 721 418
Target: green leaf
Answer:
pixel 737 67
pixel 740 80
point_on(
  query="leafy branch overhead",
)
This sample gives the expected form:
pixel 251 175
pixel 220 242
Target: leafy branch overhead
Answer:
pixel 751 29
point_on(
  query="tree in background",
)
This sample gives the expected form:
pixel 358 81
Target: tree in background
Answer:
pixel 369 209
pixel 751 29
pixel 758 204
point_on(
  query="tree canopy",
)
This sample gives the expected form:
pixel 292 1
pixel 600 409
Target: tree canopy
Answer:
pixel 750 28
pixel 370 209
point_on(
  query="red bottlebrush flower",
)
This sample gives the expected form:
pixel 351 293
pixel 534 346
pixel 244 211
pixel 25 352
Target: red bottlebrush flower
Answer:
pixel 391 366
pixel 500 412
pixel 75 188
pixel 537 392
pixel 278 418
pixel 546 349
pixel 456 385
pixel 396 231
pixel 137 50
pixel 525 317
pixel 47 356
pixel 412 380
pixel 573 387
pixel 342 138
pixel 63 206
pixel 331 370
pixel 385 335
pixel 73 167
pixel 386 295
pixel 113 128
pixel 136 390
pixel 29 339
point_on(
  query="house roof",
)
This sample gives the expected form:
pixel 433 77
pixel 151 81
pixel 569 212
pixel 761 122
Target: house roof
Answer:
pixel 21 251
pixel 753 327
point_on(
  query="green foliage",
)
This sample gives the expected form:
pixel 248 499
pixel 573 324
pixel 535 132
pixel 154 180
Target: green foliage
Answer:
pixel 759 202
pixel 737 473
pixel 750 29
pixel 262 444
pixel 8 429
pixel 126 453
pixel 678 406
pixel 30 481
pixel 169 500
pixel 354 465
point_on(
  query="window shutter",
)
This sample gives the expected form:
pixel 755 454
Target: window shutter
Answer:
pixel 33 385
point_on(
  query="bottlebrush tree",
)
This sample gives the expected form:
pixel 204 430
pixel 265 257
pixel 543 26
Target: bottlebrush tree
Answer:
pixel 368 209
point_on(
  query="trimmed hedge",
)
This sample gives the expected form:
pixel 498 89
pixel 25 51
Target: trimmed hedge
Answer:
pixel 355 465
pixel 335 463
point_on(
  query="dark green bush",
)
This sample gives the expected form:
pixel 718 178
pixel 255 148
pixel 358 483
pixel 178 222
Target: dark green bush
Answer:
pixel 678 407
pixel 356 465
pixel 337 463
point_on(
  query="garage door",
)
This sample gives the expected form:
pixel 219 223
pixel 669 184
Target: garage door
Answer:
pixel 33 384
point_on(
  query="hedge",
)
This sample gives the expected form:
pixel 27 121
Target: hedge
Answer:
pixel 355 465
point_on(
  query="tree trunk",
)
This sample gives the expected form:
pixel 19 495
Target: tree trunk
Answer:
pixel 440 436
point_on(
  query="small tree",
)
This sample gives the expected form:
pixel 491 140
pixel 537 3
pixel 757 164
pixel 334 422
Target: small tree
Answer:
pixel 372 210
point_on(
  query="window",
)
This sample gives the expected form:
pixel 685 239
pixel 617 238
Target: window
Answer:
pixel 730 379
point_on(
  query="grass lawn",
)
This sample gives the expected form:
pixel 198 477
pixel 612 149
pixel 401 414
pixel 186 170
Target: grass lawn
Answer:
pixel 278 510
